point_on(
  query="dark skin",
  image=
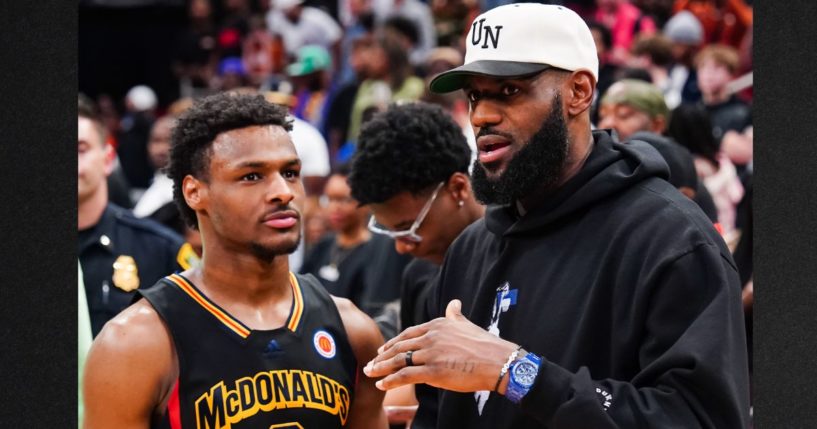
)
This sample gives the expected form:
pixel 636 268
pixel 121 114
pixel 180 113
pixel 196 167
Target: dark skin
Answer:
pixel 451 352
pixel 516 108
pixel 627 120
pixel 443 223
pixel 346 218
pixel 454 209
pixel 252 188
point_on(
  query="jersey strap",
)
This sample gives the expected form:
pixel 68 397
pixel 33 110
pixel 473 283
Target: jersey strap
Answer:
pixel 229 321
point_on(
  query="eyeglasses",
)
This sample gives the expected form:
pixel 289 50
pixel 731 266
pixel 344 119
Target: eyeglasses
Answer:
pixel 411 233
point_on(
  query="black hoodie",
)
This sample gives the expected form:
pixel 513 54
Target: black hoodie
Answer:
pixel 624 288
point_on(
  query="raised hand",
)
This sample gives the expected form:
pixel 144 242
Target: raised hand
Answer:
pixel 448 352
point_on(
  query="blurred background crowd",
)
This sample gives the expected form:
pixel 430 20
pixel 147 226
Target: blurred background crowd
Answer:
pixel 675 73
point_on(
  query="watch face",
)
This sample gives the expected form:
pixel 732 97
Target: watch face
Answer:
pixel 524 373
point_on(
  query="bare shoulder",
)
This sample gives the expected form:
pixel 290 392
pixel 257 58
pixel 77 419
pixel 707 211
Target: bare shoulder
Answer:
pixel 130 369
pixel 136 331
pixel 364 336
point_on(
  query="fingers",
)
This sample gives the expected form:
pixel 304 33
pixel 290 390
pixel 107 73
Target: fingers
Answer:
pixel 408 333
pixel 407 375
pixel 395 358
pixel 454 310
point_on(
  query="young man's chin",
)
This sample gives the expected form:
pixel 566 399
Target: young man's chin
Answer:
pixel 283 243
pixel 288 245
pixel 268 252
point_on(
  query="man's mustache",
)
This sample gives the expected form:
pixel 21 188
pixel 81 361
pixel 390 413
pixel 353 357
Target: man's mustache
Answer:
pixel 490 131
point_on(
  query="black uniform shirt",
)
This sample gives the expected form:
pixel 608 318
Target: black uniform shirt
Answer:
pixel 368 275
pixel 300 375
pixel 120 254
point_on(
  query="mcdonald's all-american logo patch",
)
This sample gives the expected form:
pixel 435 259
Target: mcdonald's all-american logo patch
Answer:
pixel 324 344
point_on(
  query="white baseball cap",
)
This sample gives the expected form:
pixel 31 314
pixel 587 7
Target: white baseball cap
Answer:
pixel 285 4
pixel 522 39
pixel 142 98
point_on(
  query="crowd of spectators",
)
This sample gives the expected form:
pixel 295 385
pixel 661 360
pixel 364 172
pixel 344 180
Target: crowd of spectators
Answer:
pixel 336 63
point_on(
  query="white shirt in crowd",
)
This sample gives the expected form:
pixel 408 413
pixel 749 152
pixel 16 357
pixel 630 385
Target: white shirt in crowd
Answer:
pixel 311 147
pixel 417 12
pixel 315 27
pixel 157 195
pixel 314 154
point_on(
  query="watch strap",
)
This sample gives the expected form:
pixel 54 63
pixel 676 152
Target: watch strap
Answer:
pixel 512 357
pixel 517 390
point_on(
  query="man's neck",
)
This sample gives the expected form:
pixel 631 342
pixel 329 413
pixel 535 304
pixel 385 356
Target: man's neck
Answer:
pixel 581 145
pixel 470 212
pixel 576 159
pixel 229 276
pixel 255 292
pixel 715 98
pixel 90 211
pixel 475 211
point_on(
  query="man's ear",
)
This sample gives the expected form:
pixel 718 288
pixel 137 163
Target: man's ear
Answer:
pixel 195 192
pixel 110 158
pixel 580 87
pixel 658 124
pixel 459 186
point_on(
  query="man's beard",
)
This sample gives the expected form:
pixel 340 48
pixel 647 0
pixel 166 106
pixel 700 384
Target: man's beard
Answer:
pixel 267 253
pixel 537 165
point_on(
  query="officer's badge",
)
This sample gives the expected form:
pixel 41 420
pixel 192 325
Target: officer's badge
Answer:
pixel 125 274
pixel 187 257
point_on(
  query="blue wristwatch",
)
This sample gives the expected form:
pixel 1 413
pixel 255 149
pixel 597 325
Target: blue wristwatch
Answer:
pixel 522 374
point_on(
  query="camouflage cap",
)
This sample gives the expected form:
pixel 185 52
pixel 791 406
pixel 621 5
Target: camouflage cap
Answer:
pixel 640 95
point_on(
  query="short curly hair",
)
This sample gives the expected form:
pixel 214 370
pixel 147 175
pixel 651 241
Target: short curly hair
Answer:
pixel 409 147
pixel 195 130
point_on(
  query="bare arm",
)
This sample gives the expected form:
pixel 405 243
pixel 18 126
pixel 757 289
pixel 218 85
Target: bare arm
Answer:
pixel 364 337
pixel 130 371
pixel 400 405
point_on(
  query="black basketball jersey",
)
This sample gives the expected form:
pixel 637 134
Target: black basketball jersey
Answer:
pixel 299 376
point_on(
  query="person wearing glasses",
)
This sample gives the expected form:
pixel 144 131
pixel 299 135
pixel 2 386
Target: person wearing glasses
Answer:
pixel 342 259
pixel 411 170
pixel 593 294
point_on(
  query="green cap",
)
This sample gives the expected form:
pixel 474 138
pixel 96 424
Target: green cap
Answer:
pixel 311 58
pixel 640 95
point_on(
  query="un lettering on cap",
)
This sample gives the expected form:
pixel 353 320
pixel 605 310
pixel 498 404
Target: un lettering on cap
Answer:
pixel 522 39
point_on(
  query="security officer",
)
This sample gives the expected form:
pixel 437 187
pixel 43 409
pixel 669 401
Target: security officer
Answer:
pixel 119 253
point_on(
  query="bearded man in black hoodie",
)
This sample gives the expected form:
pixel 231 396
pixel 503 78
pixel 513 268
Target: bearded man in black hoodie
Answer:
pixel 593 294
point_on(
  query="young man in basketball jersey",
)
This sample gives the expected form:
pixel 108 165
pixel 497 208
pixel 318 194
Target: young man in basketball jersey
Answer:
pixel 239 342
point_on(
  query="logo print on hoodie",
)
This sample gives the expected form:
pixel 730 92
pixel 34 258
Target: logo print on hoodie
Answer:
pixel 505 298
